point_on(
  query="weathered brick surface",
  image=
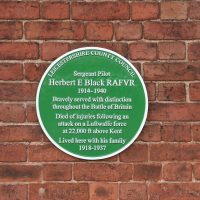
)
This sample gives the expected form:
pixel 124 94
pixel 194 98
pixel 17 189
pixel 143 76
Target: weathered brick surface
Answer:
pixel 20 173
pixel 47 153
pixel 193 51
pixel 12 113
pixel 194 91
pixel 34 71
pixel 177 172
pixel 128 31
pixel 171 92
pixel 144 10
pixel 13 153
pixel 94 172
pixel 54 10
pixel 176 133
pixel 31 115
pixel 20 133
pixel 151 90
pixel 50 191
pixel 54 30
pixel 196 169
pixel 99 31
pixel 102 190
pixel 194 10
pixel 172 71
pixel 18 91
pixel 171 51
pixel 57 172
pixel 179 152
pixel 172 30
pixel 196 132
pixel 150 172
pixel 11 30
pixel 135 153
pixel 143 51
pixel 100 11
pixel 174 10
pixel 52 50
pixel 18 50
pixel 150 133
pixel 161 39
pixel 11 71
pixel 174 112
pixel 11 192
pixel 176 191
pixel 19 10
pixel 133 191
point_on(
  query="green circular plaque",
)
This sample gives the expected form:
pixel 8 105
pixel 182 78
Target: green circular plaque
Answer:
pixel 91 103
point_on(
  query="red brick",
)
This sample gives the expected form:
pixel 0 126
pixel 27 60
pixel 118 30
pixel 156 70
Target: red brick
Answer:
pixel 48 153
pixel 52 191
pixel 174 10
pixel 151 91
pixel 151 172
pixel 13 192
pixel 177 172
pixel 31 113
pixel 144 11
pixel 34 71
pixel 18 91
pixel 175 129
pixel 20 133
pixel 120 48
pixel 175 151
pixel 99 31
pixel 172 71
pixel 100 191
pixel 135 153
pixel 54 10
pixel 12 113
pixel 171 50
pixel 171 92
pixel 13 153
pixel 143 51
pixel 194 51
pixel 52 50
pixel 11 30
pixel 54 30
pixel 150 133
pixel 133 191
pixel 176 133
pixel 196 169
pixel 10 71
pixel 196 132
pixel 171 30
pixel 19 10
pixel 100 10
pixel 174 112
pixel 20 173
pixel 194 10
pixel 102 172
pixel 18 50
pixel 174 191
pixel 194 91
pixel 137 65
pixel 57 172
pixel 128 31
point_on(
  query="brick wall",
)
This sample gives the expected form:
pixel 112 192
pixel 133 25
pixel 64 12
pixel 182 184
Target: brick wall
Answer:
pixel 162 40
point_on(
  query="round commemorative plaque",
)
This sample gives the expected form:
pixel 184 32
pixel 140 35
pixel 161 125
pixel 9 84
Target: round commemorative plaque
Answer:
pixel 91 103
